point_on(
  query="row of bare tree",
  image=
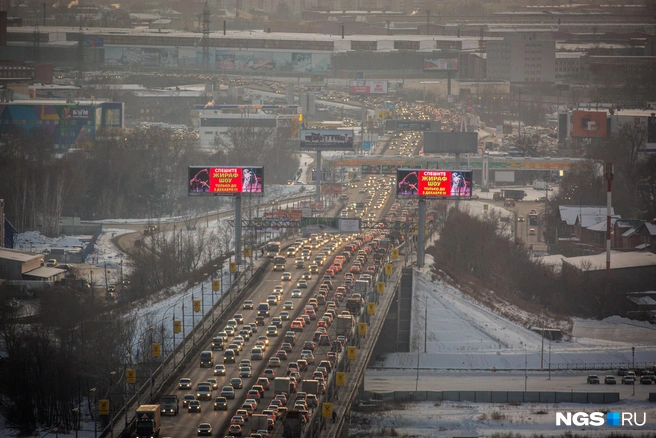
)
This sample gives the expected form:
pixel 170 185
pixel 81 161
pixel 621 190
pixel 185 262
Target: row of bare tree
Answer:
pixel 52 362
pixel 478 251
pixel 137 174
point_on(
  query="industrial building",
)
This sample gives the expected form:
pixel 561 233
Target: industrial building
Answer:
pixel 72 124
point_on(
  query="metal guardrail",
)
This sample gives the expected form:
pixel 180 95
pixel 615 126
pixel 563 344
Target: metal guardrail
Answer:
pixel 593 366
pixel 166 371
pixel 497 396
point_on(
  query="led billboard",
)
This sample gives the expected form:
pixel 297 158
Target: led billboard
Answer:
pixel 589 124
pixel 211 180
pixel 368 87
pixel 434 183
pixel 327 140
pixel 450 142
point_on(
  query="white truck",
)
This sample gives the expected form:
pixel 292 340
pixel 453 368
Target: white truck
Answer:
pixel 344 325
pixel 540 185
pixel 281 385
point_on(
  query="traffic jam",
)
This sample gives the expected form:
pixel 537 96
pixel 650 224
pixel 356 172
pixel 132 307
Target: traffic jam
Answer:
pixel 270 366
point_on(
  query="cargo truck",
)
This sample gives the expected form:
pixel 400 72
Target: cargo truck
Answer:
pixel 540 185
pixel 311 387
pixel 344 325
pixel 293 424
pixel 281 384
pixel 354 305
pixel 361 287
pixel 258 422
pixel 517 195
pixel 169 404
pixel 149 421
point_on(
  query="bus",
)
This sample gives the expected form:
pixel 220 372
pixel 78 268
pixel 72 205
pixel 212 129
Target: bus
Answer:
pixel 272 249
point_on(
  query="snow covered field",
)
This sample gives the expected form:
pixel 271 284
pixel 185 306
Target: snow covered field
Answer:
pixel 450 419
pixel 461 336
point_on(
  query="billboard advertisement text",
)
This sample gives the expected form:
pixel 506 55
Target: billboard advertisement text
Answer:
pixel 434 183
pixel 368 87
pixel 589 124
pixel 210 180
pixel 440 64
pixel 327 140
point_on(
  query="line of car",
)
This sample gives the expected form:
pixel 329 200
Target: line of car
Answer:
pixel 628 377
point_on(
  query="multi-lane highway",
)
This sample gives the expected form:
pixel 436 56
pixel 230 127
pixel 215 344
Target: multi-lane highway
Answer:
pixel 185 424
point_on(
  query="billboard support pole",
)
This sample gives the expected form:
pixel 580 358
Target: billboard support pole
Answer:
pixel 319 174
pixel 238 229
pixel 448 85
pixel 364 121
pixel 421 231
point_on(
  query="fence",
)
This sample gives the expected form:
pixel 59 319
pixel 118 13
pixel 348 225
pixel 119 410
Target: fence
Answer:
pixel 90 245
pixel 496 396
pixel 166 373
pixel 576 366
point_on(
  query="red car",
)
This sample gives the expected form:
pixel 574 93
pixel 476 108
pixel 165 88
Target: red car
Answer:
pixel 282 354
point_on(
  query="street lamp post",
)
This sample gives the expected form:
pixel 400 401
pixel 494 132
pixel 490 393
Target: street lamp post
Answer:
pixel 193 314
pixel 213 295
pixel 202 297
pixel 633 354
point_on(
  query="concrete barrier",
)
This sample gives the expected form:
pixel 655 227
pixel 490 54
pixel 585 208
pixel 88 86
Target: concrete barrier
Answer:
pixel 496 396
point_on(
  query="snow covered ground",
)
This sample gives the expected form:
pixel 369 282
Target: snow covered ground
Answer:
pixel 462 334
pixel 449 419
pixel 459 335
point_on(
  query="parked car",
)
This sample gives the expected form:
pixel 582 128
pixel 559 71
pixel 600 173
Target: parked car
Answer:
pixel 628 380
pixel 593 379
pixel 610 380
pixel 646 380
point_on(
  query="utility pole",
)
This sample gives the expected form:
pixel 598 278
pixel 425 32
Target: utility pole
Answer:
pixel 609 179
pixel 425 324
pixel 519 116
